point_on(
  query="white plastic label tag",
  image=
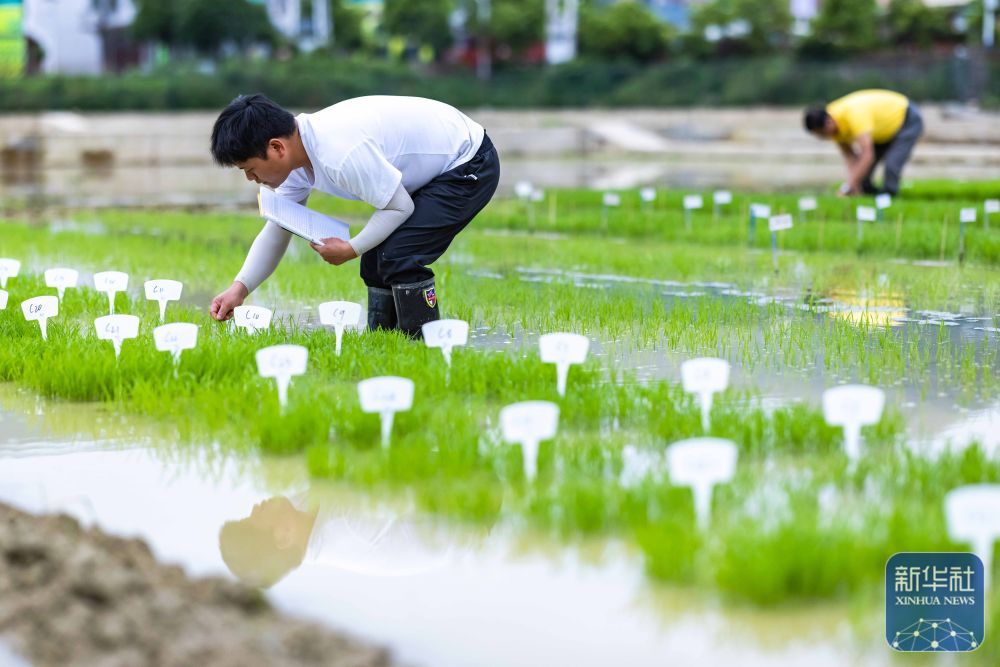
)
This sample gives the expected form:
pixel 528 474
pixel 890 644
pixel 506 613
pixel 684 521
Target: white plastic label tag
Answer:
pixel 446 334
pixel 386 393
pixel 61 279
pixel 853 403
pixel 973 516
pixel 692 202
pixel 9 268
pixel 282 362
pixel 973 510
pixel 853 406
pixel 529 423
pixel 111 282
pixel 386 396
pixel 252 318
pixel 40 309
pixel 563 349
pixel 117 328
pixel 175 338
pixel 523 189
pixel 163 291
pixel 866 214
pixel 701 463
pixel 705 376
pixel 777 223
pixel 339 315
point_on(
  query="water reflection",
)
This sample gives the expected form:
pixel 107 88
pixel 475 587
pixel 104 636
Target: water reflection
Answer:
pixel 316 528
pixel 457 595
pixel 265 546
pixel 979 427
pixel 860 308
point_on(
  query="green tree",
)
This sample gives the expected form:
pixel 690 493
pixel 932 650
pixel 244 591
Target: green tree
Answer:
pixel 203 25
pixel 423 22
pixel 517 24
pixel 157 21
pixel 913 22
pixel 207 24
pixel 348 30
pixel 746 26
pixel 842 27
pixel 625 30
pixel 973 16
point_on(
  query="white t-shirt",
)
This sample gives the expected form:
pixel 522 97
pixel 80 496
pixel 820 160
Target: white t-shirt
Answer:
pixel 374 540
pixel 363 148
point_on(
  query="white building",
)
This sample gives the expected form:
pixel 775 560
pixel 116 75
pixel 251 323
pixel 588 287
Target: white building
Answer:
pixel 91 36
pixel 77 36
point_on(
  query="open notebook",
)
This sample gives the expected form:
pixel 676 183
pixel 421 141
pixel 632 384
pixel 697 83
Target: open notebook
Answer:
pixel 299 220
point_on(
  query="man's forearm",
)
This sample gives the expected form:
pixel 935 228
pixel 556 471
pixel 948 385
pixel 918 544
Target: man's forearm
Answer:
pixel 264 255
pixel 383 222
pixel 850 157
pixel 859 170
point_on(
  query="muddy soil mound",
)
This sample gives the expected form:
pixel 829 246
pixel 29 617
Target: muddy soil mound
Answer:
pixel 70 596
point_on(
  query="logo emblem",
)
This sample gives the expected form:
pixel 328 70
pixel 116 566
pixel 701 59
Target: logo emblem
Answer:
pixel 934 602
pixel 430 296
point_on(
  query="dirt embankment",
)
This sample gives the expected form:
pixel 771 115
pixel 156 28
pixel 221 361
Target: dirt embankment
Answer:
pixel 70 596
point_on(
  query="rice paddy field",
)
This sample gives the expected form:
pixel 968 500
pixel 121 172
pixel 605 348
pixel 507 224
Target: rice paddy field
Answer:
pixel 791 565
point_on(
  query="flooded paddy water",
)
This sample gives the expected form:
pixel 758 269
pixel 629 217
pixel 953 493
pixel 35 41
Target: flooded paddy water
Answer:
pixel 435 593
pixel 438 548
pixel 937 417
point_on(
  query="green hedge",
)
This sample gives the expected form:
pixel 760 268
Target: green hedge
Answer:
pixel 317 81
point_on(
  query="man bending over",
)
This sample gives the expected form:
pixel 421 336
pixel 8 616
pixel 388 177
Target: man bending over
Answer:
pixel 869 126
pixel 425 167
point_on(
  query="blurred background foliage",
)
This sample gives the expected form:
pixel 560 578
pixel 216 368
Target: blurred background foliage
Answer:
pixel 200 53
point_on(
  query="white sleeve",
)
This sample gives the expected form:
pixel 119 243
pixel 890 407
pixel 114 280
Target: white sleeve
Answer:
pixel 367 174
pixel 265 253
pixel 384 222
pixel 295 187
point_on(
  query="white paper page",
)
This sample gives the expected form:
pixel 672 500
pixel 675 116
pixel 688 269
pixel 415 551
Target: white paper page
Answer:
pixel 300 220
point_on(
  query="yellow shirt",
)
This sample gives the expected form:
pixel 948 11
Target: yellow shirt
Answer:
pixel 880 112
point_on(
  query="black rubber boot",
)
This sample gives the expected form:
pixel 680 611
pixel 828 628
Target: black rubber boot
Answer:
pixel 416 303
pixel 381 309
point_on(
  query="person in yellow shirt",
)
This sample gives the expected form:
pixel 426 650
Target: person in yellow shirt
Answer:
pixel 869 126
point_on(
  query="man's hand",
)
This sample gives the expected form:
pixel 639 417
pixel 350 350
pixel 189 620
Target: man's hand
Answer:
pixel 334 251
pixel 845 190
pixel 222 305
pixel 859 170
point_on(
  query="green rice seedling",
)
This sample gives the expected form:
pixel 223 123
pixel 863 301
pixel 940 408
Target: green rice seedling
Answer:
pixel 795 524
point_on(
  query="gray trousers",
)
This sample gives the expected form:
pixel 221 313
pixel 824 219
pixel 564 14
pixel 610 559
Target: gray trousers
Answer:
pixel 895 153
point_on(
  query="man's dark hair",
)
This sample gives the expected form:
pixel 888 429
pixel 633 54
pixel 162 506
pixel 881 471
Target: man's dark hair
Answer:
pixel 815 118
pixel 245 126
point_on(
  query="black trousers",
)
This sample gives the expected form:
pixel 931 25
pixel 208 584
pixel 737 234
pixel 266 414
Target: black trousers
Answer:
pixel 441 209
pixel 895 152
